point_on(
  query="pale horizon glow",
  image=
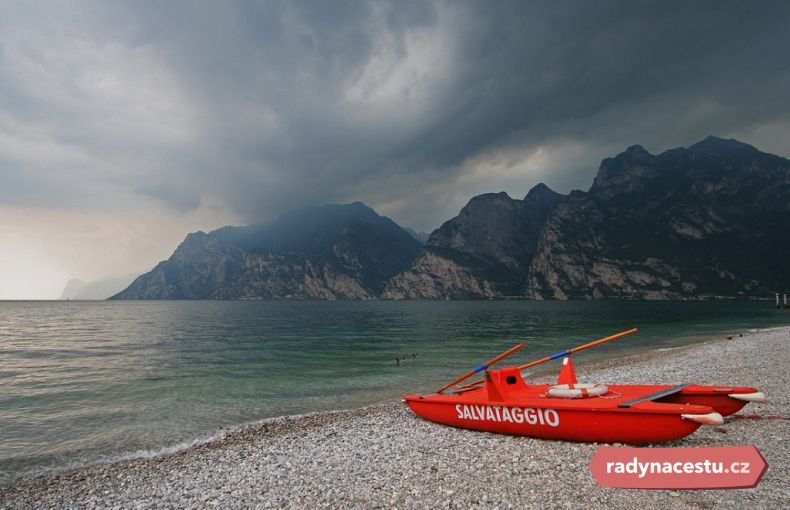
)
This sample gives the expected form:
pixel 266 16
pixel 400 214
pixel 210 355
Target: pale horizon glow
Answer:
pixel 58 245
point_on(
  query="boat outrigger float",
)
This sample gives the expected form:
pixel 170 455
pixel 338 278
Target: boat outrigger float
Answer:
pixel 635 414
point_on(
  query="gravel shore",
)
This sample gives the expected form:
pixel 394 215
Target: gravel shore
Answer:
pixel 382 456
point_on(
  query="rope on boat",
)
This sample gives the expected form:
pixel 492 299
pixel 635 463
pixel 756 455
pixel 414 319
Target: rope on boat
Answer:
pixel 614 395
pixel 759 417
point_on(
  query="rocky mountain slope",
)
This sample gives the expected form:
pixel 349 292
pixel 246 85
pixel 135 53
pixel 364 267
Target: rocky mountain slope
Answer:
pixel 710 219
pixel 329 252
pixel 484 252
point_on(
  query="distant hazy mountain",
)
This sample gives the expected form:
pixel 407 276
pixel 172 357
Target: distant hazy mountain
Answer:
pixel 710 219
pixel 102 289
pixel 328 252
pixel 421 236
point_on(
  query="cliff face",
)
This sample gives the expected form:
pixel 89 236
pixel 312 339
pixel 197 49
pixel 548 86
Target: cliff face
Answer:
pixel 484 252
pixel 330 252
pixel 712 219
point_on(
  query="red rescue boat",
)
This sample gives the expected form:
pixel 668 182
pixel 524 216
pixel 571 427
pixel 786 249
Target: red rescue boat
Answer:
pixel 633 414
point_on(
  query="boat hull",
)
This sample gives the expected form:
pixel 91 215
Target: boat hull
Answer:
pixel 633 414
pixel 604 426
pixel 717 397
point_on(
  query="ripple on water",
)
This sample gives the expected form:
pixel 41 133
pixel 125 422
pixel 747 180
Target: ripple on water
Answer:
pixel 83 382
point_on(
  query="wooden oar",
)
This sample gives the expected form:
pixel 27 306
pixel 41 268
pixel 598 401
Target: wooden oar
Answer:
pixel 562 354
pixel 577 349
pixel 482 367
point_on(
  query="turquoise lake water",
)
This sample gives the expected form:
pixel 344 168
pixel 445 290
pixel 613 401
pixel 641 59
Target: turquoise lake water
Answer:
pixel 85 382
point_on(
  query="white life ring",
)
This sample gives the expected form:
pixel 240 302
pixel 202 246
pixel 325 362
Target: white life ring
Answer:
pixel 577 390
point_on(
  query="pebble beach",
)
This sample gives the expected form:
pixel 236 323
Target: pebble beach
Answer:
pixel 383 456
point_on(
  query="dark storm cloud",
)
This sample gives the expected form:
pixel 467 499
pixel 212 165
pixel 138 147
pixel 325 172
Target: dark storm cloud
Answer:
pixel 270 105
pixel 540 71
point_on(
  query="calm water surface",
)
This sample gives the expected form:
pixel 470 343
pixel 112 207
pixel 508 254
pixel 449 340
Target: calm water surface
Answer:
pixel 84 382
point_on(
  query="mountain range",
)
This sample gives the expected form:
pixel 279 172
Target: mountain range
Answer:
pixel 712 219
pixel 328 252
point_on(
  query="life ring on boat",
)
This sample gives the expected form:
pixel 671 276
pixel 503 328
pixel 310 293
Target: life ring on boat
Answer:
pixel 577 390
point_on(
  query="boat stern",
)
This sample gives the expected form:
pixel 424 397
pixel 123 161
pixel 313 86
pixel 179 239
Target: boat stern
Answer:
pixel 756 396
pixel 725 400
pixel 712 418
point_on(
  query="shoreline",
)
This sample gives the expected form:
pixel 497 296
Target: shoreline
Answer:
pixel 541 375
pixel 294 436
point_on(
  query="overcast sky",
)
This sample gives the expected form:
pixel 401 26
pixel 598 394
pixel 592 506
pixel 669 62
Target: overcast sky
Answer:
pixel 126 125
